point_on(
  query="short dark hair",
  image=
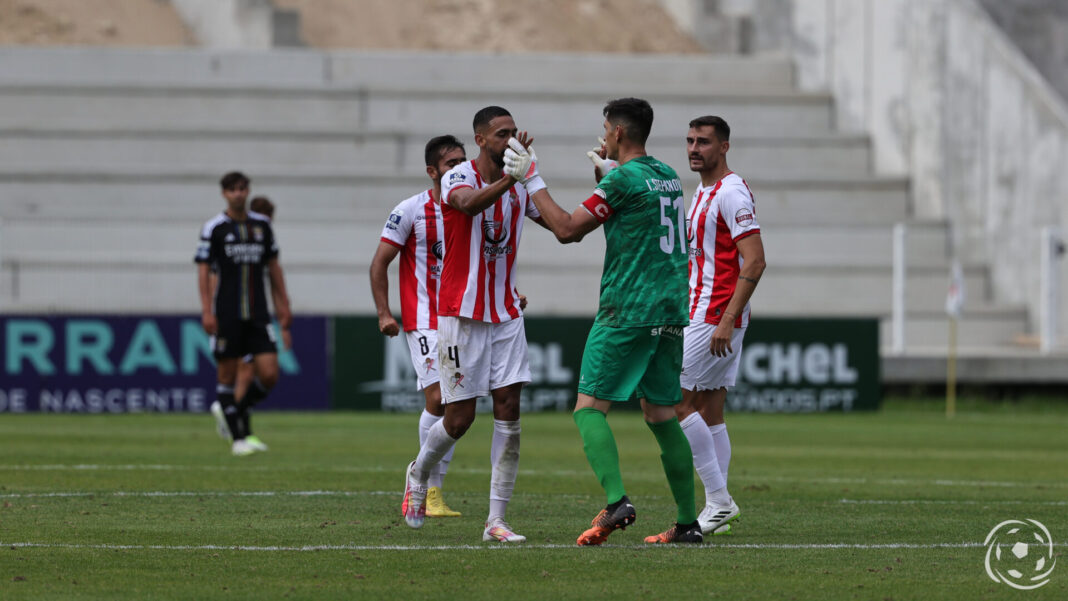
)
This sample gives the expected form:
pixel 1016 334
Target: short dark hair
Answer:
pixel 438 146
pixel 263 206
pixel 484 116
pixel 633 114
pixel 723 131
pixel 234 179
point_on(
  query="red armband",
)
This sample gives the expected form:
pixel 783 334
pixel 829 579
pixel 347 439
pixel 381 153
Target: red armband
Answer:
pixel 599 208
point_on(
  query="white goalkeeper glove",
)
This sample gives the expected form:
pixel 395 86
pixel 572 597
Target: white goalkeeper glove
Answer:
pixel 600 166
pixel 522 164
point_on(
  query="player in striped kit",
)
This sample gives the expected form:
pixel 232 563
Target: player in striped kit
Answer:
pixel 726 262
pixel 415 231
pixel 482 346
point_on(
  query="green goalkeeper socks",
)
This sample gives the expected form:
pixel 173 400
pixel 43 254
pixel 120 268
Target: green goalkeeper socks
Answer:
pixel 601 452
pixel 677 458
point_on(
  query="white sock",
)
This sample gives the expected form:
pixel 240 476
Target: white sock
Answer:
pixel 437 474
pixel 704 456
pixel 438 444
pixel 504 456
pixel 723 447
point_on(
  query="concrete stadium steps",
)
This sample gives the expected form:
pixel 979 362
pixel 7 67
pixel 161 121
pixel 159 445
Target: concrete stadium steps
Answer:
pixel 294 69
pixel 795 250
pixel 990 328
pixel 398 152
pixel 192 195
pixel 864 290
pixel 330 110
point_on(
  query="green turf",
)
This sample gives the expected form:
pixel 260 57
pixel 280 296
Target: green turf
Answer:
pixel 802 481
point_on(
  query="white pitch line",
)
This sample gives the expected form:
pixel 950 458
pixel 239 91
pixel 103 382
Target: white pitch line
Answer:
pixel 256 493
pixel 943 502
pixel 186 493
pixel 907 482
pixel 358 493
pixel 752 478
pixel 492 547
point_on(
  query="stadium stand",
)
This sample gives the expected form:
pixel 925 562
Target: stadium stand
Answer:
pixel 116 153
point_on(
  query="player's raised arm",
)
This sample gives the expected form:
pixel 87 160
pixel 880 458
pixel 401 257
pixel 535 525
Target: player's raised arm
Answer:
pixel 472 202
pixel 384 255
pixel 471 199
pixel 521 164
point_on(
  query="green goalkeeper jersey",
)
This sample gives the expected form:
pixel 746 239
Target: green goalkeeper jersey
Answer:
pixel 644 282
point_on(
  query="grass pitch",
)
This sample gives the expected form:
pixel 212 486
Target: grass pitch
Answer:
pixel 894 505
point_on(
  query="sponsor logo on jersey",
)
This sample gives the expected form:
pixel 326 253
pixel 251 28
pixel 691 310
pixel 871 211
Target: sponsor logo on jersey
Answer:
pixel 743 217
pixel 492 252
pixel 249 252
pixel 457 176
pixel 438 249
pixel 666 331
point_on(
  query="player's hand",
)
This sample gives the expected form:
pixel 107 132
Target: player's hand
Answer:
pixel 721 338
pixel 287 339
pixel 211 325
pixel 522 302
pixel 388 326
pixel 285 318
pixel 520 162
pixel 601 165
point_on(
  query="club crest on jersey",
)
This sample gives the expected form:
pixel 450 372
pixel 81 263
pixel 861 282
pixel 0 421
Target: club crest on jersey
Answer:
pixel 456 380
pixel 428 365
pixel 494 231
pixel 230 237
pixel 743 217
pixel 257 233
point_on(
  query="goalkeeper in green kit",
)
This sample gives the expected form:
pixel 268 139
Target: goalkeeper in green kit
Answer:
pixel 635 344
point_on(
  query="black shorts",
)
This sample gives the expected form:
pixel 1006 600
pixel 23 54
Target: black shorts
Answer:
pixel 237 338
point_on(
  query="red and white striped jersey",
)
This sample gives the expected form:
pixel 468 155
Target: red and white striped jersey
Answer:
pixel 415 227
pixel 720 215
pixel 478 280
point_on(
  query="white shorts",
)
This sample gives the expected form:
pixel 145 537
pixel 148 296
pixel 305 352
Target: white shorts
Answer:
pixel 477 357
pixel 701 370
pixel 423 345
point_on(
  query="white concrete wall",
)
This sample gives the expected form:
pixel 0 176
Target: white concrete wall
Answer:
pixel 229 24
pixel 949 101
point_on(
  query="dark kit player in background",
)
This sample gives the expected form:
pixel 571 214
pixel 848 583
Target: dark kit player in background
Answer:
pixel 238 245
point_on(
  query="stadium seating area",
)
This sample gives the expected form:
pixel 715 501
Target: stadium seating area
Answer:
pixel 109 161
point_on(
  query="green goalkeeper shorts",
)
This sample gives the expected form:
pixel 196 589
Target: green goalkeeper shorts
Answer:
pixel 618 362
